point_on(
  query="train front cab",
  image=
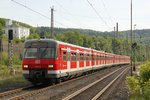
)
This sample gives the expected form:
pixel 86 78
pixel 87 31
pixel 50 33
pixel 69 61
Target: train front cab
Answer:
pixel 39 58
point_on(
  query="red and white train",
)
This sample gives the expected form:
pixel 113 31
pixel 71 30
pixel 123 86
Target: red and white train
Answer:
pixel 50 60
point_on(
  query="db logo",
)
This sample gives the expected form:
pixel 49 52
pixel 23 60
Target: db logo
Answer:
pixel 37 62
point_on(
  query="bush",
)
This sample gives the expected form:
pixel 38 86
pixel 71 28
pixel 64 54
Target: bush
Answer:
pixel 16 40
pixel 133 85
pixel 145 72
pixel 4 72
pixel 147 90
pixel 34 36
pixel 16 60
pixel 23 39
pixel 4 60
pixel 140 84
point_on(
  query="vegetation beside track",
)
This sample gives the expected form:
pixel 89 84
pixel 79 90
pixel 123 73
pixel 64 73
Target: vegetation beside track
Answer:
pixel 8 81
pixel 14 80
pixel 139 85
pixel 5 71
pixel 5 77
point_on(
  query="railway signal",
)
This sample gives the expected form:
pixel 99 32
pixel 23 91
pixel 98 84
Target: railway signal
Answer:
pixel 10 51
pixel 134 45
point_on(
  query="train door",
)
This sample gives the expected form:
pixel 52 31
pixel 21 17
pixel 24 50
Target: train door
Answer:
pixel 95 59
pixel 105 58
pixel 63 58
pixel 100 58
pixel 113 59
pixel 84 58
pixel 68 60
pixel 90 58
pixel 77 55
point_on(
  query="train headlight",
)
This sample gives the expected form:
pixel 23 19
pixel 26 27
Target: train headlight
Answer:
pixel 25 66
pixel 50 66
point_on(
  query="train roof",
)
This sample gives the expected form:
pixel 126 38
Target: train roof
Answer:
pixel 56 42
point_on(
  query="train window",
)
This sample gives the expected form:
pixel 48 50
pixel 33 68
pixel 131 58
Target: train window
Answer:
pixel 107 58
pixel 102 57
pixel 87 57
pixel 64 56
pixel 73 57
pixel 110 58
pixel 48 53
pixel 81 57
pixel 97 57
pixel 30 53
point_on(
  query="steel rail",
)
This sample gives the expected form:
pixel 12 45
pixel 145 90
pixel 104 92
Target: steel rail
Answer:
pixel 88 86
pixel 106 87
pixel 11 92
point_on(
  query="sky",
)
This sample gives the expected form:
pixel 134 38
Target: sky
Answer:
pixel 99 15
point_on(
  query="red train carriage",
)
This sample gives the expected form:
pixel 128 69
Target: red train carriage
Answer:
pixel 48 60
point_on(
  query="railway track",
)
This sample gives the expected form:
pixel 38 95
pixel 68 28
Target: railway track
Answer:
pixel 10 93
pixel 55 90
pixel 96 89
pixel 22 93
pixel 59 92
pixel 39 91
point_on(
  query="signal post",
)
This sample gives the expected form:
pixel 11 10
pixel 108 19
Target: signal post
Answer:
pixel 10 52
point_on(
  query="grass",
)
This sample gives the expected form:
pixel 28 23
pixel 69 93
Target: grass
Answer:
pixel 18 79
pixel 133 97
pixel 5 71
pixel 7 79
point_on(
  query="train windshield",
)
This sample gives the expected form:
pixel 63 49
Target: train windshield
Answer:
pixel 48 53
pixel 40 53
pixel 30 53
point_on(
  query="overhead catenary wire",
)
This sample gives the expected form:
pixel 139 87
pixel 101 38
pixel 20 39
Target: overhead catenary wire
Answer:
pixel 71 14
pixel 98 13
pixel 64 8
pixel 57 22
pixel 111 18
pixel 37 12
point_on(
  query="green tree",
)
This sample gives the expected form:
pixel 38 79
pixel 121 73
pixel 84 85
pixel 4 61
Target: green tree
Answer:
pixel 17 40
pixel 4 60
pixel 146 90
pixel 145 72
pixel 139 86
pixel 33 36
pixel 87 41
pixel 133 86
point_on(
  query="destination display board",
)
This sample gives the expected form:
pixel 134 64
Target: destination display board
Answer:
pixel 41 44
